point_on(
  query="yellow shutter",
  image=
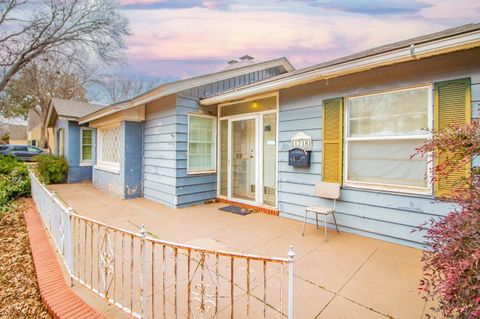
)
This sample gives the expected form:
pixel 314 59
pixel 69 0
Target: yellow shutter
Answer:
pixel 452 105
pixel 332 140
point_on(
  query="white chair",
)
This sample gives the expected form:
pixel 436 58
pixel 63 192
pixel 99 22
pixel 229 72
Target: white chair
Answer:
pixel 324 190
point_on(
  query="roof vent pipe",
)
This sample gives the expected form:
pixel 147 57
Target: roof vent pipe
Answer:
pixel 246 58
pixel 412 50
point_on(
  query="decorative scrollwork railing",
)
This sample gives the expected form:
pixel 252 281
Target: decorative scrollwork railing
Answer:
pixel 152 278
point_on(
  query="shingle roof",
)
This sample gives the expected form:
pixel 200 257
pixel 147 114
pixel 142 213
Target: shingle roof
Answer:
pixel 400 44
pixel 72 108
pixel 33 120
pixel 367 53
pixel 17 132
pixel 3 128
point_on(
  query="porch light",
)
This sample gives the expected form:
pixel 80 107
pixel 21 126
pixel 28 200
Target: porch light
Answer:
pixel 255 104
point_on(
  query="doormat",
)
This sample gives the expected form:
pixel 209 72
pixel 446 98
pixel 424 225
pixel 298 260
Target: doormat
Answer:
pixel 236 210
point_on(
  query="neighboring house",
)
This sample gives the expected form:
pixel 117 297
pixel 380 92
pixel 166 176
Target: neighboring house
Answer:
pixel 17 134
pixel 34 131
pixel 227 136
pixel 70 139
pixel 34 128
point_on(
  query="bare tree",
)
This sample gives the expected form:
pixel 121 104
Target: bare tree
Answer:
pixel 120 85
pixel 31 29
pixel 41 80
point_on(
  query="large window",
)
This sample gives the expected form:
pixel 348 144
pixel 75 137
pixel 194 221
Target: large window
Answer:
pixel 109 148
pixel 382 132
pixel 201 144
pixel 86 142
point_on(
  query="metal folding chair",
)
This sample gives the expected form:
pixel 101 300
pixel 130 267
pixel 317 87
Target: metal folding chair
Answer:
pixel 324 190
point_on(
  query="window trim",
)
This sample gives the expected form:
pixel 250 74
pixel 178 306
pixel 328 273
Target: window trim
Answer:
pixel 390 187
pixel 82 161
pixel 112 167
pixel 61 142
pixel 214 138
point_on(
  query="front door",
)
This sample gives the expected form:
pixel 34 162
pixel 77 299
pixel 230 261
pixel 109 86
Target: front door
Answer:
pixel 247 158
pixel 244 158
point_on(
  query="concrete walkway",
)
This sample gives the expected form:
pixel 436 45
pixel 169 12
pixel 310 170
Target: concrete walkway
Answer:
pixel 348 277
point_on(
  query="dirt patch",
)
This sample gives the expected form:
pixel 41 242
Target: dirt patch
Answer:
pixel 19 294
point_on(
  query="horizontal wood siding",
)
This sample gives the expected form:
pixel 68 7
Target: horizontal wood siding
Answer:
pixel 190 189
pixel 232 83
pixel 387 216
pixel 160 152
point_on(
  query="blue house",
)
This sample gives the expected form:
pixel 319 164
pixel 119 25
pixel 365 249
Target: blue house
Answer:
pixel 227 136
pixel 72 140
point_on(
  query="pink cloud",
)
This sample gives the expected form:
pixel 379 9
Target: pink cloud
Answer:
pixel 204 35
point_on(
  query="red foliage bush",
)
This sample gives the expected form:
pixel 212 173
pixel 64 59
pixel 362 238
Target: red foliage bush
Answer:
pixel 452 263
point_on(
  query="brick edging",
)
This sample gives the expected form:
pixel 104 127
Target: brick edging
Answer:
pixel 60 300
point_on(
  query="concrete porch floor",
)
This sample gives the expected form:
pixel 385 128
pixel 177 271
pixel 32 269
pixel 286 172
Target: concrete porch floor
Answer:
pixel 348 277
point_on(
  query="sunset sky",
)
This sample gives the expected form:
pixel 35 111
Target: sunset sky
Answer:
pixel 182 38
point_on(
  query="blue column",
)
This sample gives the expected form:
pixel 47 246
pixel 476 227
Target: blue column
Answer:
pixel 132 150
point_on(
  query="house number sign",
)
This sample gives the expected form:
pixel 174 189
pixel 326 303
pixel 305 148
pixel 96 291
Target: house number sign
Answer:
pixel 302 141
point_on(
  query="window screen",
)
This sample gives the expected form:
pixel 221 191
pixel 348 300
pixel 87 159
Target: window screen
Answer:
pixel 201 143
pixel 383 131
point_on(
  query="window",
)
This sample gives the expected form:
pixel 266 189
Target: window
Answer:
pixel 382 132
pixel 33 149
pixel 60 142
pixel 20 149
pixel 108 148
pixel 201 144
pixel 86 142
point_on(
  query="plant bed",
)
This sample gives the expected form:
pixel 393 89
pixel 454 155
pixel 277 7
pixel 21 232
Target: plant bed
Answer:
pixel 19 293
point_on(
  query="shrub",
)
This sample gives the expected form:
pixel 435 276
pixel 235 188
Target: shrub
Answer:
pixel 51 169
pixel 452 265
pixel 14 180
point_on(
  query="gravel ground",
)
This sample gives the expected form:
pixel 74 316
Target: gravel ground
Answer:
pixel 19 294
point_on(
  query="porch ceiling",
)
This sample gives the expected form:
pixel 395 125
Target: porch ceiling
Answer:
pixel 350 276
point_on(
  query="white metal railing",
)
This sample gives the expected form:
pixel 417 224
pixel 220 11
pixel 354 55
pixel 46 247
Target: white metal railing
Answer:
pixel 152 278
pixel 57 219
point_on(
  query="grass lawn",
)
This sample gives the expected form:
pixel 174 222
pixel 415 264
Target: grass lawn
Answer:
pixel 19 294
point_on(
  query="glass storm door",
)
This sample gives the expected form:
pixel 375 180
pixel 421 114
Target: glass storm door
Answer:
pixel 248 158
pixel 244 159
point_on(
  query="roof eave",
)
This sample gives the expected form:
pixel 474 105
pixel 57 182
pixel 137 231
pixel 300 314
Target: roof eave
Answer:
pixel 172 88
pixel 49 114
pixel 409 53
pixel 68 118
